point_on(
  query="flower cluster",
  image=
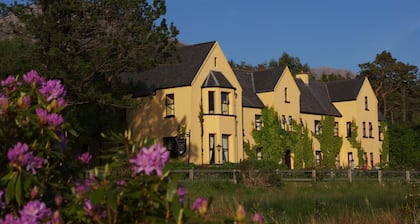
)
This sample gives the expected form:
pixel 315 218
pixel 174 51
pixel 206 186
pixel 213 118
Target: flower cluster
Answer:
pixel 150 159
pixel 85 185
pixel 33 212
pixel 20 157
pixel 52 119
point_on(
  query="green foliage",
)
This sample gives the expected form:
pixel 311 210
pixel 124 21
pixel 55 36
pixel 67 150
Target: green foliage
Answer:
pixel 355 142
pixel 284 60
pixel 404 145
pixel 15 57
pixel 271 136
pixel 385 143
pixel 302 147
pixel 330 144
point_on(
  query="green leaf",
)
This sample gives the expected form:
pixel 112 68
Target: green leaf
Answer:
pixel 112 199
pixel 10 190
pixel 18 189
pixel 97 195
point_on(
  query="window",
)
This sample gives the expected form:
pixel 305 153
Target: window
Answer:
pixel 317 127
pixel 225 148
pixel 290 120
pixel 371 160
pixel 225 103
pixel 366 103
pixel 170 105
pixel 350 160
pixel 215 61
pixel 318 157
pixel 211 148
pixel 348 128
pixel 364 129
pixel 211 102
pixel 370 130
pixel 380 134
pixel 283 121
pixel 258 122
pixel 286 100
pixel 336 129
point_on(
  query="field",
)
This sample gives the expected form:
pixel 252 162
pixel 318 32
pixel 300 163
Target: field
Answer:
pixel 322 202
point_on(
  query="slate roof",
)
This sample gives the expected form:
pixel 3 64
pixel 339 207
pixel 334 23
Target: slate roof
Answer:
pixel 171 75
pixel 249 97
pixel 217 79
pixel 344 90
pixel 315 99
pixel 266 80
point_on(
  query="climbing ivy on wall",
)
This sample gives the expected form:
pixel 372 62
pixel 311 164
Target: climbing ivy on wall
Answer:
pixel 385 143
pixel 271 137
pixel 330 145
pixel 355 143
pixel 301 146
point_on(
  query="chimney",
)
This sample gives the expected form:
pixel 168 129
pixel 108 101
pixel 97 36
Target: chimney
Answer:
pixel 303 76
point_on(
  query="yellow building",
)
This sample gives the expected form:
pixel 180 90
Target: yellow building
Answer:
pixel 202 103
pixel 199 94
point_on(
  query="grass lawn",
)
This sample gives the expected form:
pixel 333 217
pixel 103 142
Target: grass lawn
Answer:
pixel 323 202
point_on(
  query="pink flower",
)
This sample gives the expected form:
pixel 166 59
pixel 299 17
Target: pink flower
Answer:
pixel 32 77
pixel 4 104
pixel 10 83
pixel 42 115
pixel 85 157
pixel 149 160
pixel 200 205
pixel 35 212
pixel 2 202
pixel 88 207
pixel 54 120
pixel 258 218
pixel 20 157
pixel 181 192
pixel 52 89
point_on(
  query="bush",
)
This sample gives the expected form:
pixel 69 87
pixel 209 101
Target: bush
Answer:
pixel 44 182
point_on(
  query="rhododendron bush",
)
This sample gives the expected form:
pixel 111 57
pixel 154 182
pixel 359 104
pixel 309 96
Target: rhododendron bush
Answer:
pixel 43 181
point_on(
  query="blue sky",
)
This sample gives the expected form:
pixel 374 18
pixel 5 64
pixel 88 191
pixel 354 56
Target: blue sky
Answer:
pixel 338 34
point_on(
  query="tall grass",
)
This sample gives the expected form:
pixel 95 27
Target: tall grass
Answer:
pixel 329 202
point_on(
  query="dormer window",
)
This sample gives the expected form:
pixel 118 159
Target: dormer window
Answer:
pixel 170 105
pixel 366 103
pixel 225 103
